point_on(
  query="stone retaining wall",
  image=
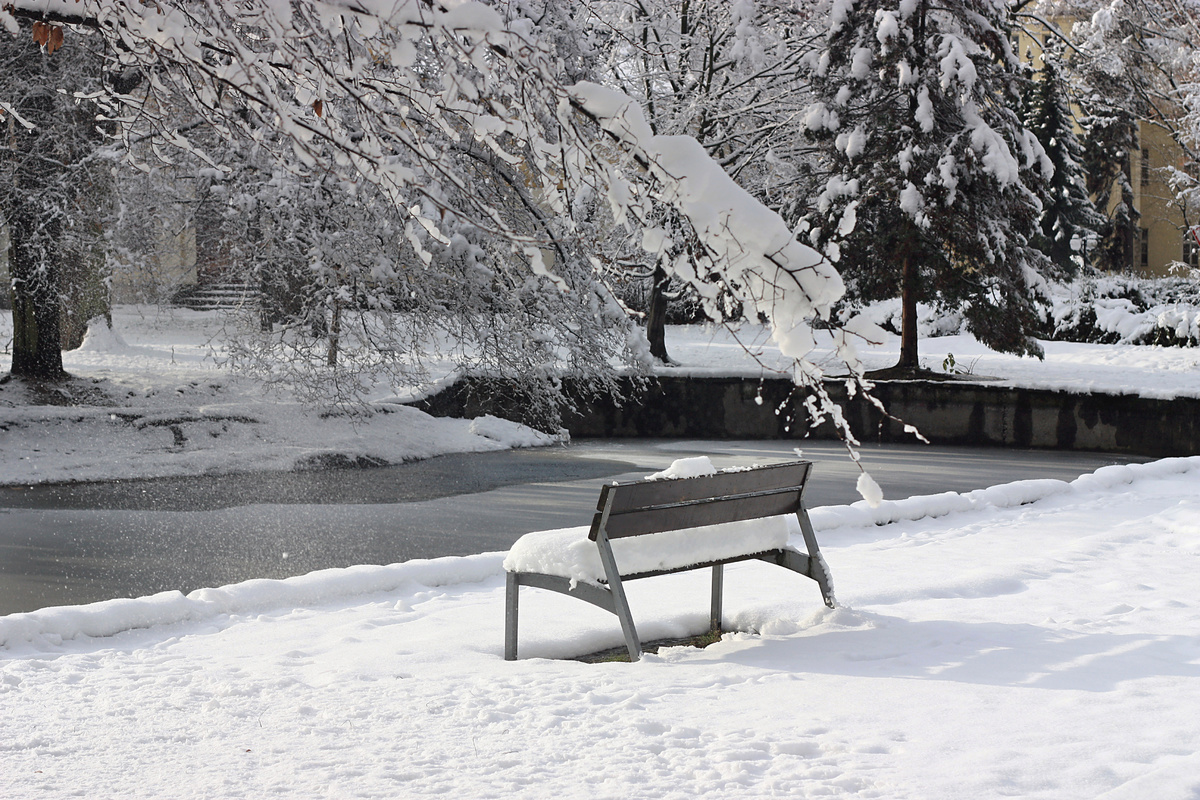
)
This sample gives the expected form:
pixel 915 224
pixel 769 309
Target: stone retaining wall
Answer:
pixel 950 412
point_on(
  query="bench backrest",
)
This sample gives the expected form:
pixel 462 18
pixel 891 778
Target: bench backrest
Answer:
pixel 641 507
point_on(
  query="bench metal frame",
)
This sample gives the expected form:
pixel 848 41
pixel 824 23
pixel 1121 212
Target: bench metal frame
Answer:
pixel 637 508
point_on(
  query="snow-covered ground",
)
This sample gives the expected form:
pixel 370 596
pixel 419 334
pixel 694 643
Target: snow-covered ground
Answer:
pixel 1149 371
pixel 1037 640
pixel 160 406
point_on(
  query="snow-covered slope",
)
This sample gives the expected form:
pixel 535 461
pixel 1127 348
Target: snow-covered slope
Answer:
pixel 152 402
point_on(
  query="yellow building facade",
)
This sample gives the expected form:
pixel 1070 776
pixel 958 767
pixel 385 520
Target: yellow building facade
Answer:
pixel 1164 237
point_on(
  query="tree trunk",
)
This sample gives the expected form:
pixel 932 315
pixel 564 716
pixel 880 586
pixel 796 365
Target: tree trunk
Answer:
pixel 335 332
pixel 37 346
pixel 908 319
pixel 656 316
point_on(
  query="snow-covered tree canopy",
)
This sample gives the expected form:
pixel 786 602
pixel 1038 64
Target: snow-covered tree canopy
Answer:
pixel 435 104
pixel 1136 53
pixel 724 73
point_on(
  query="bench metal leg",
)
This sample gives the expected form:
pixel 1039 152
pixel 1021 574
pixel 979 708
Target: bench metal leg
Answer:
pixel 819 572
pixel 512 592
pixel 620 604
pixel 600 596
pixel 718 588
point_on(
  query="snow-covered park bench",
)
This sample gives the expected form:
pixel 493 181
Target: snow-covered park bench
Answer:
pixel 662 526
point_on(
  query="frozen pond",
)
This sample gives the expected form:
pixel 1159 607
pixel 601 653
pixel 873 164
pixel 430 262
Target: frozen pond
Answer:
pixel 79 543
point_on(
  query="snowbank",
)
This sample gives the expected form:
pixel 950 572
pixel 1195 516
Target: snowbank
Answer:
pixel 53 625
pixel 567 552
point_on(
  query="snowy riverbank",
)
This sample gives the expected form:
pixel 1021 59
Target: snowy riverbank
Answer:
pixel 156 404
pixel 153 402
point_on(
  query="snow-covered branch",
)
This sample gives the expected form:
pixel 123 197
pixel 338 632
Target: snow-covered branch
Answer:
pixel 390 91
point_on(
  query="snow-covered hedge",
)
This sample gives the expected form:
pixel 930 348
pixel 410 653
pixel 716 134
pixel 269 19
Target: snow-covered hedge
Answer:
pixel 1106 310
pixel 1126 310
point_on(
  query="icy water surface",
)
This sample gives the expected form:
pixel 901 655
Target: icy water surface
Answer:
pixel 77 543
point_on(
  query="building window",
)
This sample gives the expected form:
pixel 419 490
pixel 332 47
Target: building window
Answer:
pixel 1145 166
pixel 1191 250
pixel 1144 246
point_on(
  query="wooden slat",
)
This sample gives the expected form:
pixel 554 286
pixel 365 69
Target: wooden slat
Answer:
pixel 696 514
pixel 639 494
pixel 782 558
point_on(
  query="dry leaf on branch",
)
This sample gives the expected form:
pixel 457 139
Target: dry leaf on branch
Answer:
pixel 48 36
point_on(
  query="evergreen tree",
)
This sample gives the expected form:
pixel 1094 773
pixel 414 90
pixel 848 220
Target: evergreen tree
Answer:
pixel 1111 135
pixel 1071 225
pixel 929 195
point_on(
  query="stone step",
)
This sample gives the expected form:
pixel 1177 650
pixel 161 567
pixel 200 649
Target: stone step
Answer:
pixel 214 296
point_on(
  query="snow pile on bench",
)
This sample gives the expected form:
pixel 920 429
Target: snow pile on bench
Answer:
pixel 695 467
pixel 569 553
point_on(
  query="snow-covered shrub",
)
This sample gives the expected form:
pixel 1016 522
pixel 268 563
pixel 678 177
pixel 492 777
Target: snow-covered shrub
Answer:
pixel 1105 310
pixel 1126 310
